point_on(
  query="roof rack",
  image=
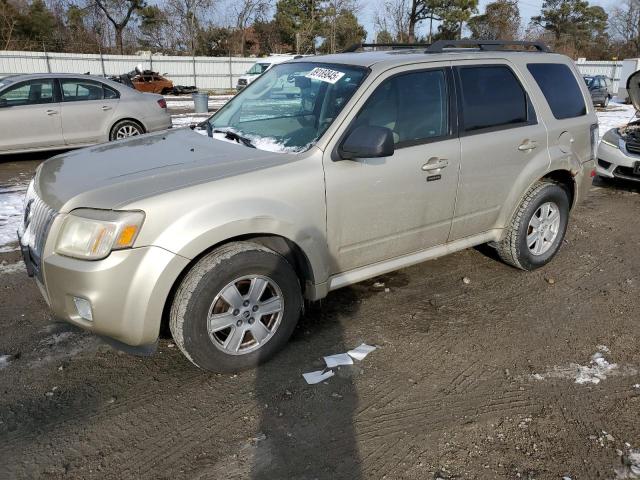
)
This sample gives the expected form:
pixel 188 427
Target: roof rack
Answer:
pixel 357 46
pixel 486 45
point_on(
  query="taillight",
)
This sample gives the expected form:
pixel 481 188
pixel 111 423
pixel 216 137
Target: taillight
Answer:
pixel 163 103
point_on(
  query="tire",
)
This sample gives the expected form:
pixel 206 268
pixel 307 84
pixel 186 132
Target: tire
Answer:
pixel 243 265
pixel 125 129
pixel 514 249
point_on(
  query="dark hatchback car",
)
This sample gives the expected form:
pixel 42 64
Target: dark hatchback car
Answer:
pixel 599 88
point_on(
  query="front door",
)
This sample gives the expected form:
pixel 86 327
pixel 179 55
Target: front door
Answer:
pixel 381 208
pixel 30 116
pixel 87 110
pixel 500 135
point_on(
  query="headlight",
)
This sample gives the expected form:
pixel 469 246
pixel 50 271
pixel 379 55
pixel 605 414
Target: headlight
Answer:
pixel 93 234
pixel 612 138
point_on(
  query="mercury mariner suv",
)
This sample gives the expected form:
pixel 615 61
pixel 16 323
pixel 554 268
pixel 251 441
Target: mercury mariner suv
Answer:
pixel 324 172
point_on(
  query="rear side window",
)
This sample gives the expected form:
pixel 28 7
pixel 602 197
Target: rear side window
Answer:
pixel 492 98
pixel 80 90
pixel 560 88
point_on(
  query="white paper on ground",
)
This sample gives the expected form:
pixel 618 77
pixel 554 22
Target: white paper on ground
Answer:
pixel 337 360
pixel 318 376
pixel 362 351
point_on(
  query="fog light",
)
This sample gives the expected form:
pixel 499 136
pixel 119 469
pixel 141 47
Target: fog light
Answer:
pixel 83 306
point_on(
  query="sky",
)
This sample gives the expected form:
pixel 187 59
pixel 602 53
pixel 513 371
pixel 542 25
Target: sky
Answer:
pixel 528 9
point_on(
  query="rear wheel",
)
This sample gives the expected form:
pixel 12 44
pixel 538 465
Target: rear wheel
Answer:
pixel 538 227
pixel 125 129
pixel 236 307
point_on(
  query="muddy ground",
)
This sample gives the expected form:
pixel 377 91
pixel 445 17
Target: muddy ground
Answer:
pixel 471 380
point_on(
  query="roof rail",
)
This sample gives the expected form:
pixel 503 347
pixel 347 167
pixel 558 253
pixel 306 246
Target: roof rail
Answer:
pixel 358 46
pixel 486 45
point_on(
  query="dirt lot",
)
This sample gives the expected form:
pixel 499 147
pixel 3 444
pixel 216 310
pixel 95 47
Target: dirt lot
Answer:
pixel 472 380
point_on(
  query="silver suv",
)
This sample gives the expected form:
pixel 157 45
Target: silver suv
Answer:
pixel 324 172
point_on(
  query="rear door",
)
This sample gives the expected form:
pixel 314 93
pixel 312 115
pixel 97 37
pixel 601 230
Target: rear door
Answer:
pixel 30 116
pixel 87 110
pixel 500 135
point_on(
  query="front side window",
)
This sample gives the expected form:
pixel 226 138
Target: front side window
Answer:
pixel 560 88
pixel 289 107
pixel 492 98
pixel 414 106
pixel 80 90
pixel 34 92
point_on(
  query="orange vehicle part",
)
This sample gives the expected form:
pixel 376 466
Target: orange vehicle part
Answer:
pixel 152 83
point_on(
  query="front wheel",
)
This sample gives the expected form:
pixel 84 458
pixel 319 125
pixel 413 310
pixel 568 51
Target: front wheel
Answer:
pixel 538 227
pixel 236 307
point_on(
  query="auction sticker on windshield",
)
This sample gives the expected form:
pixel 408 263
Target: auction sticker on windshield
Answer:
pixel 325 75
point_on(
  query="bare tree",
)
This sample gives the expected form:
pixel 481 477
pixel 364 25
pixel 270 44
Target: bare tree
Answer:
pixel 7 24
pixel 248 12
pixel 624 23
pixel 332 12
pixel 393 17
pixel 119 13
pixel 187 17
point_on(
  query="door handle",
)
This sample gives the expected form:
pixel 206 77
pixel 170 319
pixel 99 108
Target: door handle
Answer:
pixel 527 145
pixel 105 108
pixel 435 163
pixel 51 112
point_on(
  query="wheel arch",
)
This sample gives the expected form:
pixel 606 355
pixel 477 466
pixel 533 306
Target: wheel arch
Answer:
pixel 566 180
pixel 289 249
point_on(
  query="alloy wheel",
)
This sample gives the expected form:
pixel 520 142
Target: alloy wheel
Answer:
pixel 245 314
pixel 543 228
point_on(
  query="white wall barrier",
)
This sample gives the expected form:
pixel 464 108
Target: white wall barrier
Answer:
pixel 203 72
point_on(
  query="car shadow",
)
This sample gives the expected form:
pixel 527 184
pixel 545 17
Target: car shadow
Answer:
pixel 307 431
pixel 617 184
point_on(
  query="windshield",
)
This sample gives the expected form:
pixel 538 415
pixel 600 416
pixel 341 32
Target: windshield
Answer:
pixel 289 107
pixel 588 80
pixel 258 68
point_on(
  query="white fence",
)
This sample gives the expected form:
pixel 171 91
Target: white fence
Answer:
pixel 203 72
pixel 608 69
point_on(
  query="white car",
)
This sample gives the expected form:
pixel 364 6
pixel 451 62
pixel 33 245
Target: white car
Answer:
pixel 56 111
pixel 619 150
pixel 261 66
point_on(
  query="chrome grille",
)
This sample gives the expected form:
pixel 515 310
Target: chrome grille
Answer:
pixel 35 224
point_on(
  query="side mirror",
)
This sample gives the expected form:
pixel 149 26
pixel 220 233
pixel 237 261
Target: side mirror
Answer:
pixel 367 141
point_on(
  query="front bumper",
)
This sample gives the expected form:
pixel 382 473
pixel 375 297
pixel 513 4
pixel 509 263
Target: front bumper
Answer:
pixel 617 163
pixel 127 291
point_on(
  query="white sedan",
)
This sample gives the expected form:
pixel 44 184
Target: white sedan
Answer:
pixel 55 111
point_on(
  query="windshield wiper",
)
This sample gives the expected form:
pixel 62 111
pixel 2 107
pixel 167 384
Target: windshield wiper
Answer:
pixel 231 135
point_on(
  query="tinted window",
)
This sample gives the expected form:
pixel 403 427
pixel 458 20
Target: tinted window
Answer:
pixel 110 93
pixel 30 93
pixel 491 97
pixel 414 106
pixel 80 90
pixel 560 88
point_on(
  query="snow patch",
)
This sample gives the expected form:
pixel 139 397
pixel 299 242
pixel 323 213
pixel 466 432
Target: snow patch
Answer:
pixel 630 468
pixel 4 360
pixel 11 207
pixel 598 369
pixel 6 268
pixel 615 115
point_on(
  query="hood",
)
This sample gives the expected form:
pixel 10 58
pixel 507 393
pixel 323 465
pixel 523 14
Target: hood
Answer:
pixel 114 174
pixel 633 89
